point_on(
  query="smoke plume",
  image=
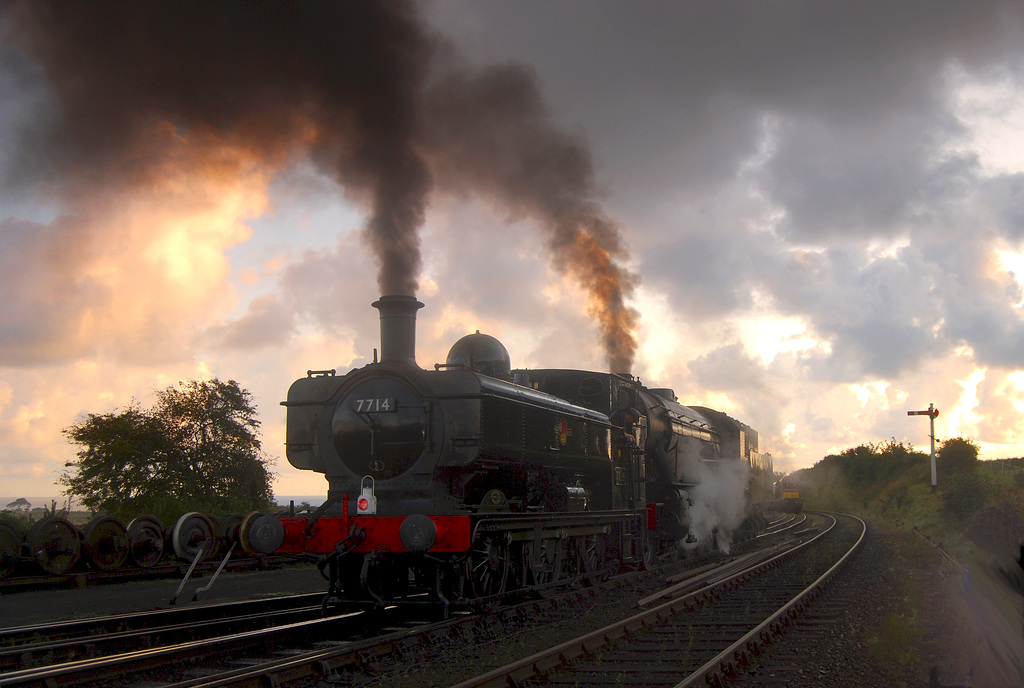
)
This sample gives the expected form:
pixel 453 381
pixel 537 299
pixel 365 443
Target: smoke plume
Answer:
pixel 363 89
pixel 490 132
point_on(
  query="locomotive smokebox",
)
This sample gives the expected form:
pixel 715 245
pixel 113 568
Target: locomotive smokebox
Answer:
pixel 398 329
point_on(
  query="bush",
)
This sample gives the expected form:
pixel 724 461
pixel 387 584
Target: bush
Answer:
pixel 956 455
pixel 963 494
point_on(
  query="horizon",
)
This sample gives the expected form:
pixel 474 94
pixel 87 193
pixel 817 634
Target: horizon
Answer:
pixel 812 239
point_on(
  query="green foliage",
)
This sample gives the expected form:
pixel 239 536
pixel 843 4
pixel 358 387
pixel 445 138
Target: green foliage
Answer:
pixel 16 521
pixel 197 449
pixel 956 455
pixel 963 494
pixel 867 469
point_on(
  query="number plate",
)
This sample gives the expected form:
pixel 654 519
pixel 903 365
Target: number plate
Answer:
pixel 375 405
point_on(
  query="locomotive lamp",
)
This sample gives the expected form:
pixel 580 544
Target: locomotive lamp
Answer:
pixel 367 503
pixel 931 412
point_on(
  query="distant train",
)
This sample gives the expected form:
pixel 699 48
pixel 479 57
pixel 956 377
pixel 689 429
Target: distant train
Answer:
pixel 788 495
pixel 462 483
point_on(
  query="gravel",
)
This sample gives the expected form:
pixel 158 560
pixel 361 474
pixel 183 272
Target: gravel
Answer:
pixel 900 616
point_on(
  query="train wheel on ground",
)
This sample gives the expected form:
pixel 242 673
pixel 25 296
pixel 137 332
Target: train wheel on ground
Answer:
pixel 193 532
pixel 145 540
pixel 11 539
pixel 245 534
pixel 106 543
pixel 55 544
pixel 220 525
pixel 232 529
pixel 488 565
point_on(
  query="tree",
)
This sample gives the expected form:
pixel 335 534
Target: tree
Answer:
pixel 956 455
pixel 871 465
pixel 20 506
pixel 197 449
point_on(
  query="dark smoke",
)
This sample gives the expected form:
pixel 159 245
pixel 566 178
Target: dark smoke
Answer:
pixel 363 88
pixel 341 78
pixel 490 132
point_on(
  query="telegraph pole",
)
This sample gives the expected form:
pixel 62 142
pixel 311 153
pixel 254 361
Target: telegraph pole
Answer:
pixel 932 412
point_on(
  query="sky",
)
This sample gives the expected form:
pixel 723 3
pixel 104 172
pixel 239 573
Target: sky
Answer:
pixel 809 215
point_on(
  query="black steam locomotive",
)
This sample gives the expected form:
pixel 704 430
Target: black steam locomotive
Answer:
pixel 461 483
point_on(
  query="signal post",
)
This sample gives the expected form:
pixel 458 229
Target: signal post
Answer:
pixel 932 412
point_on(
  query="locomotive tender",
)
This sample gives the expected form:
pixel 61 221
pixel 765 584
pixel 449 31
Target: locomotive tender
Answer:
pixel 461 483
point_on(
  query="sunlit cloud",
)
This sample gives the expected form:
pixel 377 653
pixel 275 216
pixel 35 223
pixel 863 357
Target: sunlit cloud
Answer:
pixel 990 106
pixel 815 259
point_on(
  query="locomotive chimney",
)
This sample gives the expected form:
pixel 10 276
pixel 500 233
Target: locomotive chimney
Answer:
pixel 398 328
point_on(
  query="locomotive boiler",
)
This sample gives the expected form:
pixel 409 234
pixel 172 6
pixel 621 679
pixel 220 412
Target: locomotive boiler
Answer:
pixel 458 484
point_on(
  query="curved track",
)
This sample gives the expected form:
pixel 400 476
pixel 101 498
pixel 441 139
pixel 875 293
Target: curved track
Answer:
pixel 702 638
pixel 301 652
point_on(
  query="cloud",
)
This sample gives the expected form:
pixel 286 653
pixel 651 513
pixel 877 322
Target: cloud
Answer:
pixel 267 322
pixel 807 192
pixel 134 271
pixel 48 293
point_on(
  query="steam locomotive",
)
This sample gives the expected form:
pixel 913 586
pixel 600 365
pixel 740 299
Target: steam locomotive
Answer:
pixel 460 484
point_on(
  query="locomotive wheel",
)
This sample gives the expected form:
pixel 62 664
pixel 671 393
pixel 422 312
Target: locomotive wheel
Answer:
pixel 593 550
pixel 10 547
pixel 648 551
pixel 545 564
pixel 106 543
pixel 145 540
pixel 488 566
pixel 219 527
pixel 245 534
pixel 452 579
pixel 55 545
pixel 232 529
pixel 193 532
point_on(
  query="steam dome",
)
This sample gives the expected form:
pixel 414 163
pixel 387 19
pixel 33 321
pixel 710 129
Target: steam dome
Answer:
pixel 483 354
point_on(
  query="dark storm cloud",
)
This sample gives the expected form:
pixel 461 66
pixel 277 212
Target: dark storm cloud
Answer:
pixel 261 75
pixel 675 91
pixel 839 115
pixel 835 183
pixel 728 368
pixel 981 304
pixel 1004 197
pixel 708 276
pixel 360 87
pixel 877 313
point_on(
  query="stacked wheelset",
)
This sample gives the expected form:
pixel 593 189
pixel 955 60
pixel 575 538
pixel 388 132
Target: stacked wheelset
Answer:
pixel 56 546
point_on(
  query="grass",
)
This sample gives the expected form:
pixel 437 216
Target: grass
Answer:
pixel 975 517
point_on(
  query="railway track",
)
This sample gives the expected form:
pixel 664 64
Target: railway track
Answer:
pixel 299 650
pixel 704 637
pixel 27 647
